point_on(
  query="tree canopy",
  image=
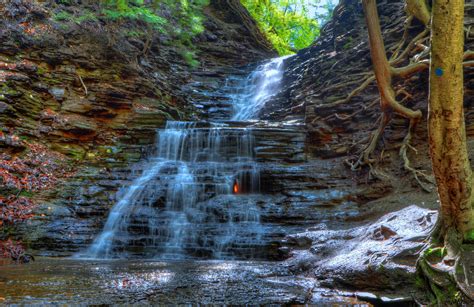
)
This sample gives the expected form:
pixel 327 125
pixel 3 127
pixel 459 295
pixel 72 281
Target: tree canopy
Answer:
pixel 290 25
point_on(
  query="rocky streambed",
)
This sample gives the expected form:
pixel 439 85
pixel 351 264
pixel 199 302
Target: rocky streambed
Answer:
pixel 65 281
pixel 68 281
pixel 373 263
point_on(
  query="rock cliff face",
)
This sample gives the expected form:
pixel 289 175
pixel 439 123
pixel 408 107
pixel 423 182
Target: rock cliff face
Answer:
pixel 99 101
pixel 69 80
pixel 338 63
pixel 318 79
pixel 91 90
pixel 315 81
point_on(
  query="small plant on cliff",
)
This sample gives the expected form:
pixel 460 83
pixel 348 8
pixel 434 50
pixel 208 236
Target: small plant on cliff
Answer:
pixel 180 20
pixel 177 20
pixel 120 9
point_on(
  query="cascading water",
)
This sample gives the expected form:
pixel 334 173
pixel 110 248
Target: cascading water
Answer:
pixel 190 199
pixel 261 84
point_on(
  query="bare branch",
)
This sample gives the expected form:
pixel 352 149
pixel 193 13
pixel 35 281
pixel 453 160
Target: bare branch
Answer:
pixel 82 82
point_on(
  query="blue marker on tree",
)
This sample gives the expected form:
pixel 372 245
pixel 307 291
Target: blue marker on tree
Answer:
pixel 439 71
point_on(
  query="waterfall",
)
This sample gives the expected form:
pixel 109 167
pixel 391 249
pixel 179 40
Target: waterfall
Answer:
pixel 260 86
pixel 192 198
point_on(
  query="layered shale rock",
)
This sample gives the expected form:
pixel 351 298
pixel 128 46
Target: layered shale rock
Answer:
pixel 100 101
pixel 319 78
pixel 85 88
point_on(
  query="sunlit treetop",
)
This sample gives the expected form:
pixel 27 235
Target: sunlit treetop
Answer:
pixel 290 25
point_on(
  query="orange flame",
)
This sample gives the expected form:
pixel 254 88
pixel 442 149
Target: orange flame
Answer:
pixel 236 187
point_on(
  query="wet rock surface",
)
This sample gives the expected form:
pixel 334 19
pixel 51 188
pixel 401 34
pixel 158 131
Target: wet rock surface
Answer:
pixel 329 221
pixel 465 276
pixel 67 281
pixel 379 256
pixel 318 79
pixel 315 84
pixel 292 198
pixel 99 101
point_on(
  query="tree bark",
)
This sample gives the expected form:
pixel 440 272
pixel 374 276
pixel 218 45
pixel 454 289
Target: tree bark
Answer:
pixel 447 135
pixel 419 9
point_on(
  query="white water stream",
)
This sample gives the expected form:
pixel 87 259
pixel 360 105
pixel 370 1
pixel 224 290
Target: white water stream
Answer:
pixel 188 201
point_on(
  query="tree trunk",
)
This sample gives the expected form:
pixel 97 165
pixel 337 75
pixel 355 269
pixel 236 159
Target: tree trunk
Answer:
pixel 447 135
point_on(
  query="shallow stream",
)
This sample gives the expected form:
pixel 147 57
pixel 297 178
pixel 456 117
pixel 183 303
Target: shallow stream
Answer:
pixel 69 281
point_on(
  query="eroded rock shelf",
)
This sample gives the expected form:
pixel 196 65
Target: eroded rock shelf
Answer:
pixel 327 234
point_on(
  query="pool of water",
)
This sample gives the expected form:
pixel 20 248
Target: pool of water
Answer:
pixel 71 281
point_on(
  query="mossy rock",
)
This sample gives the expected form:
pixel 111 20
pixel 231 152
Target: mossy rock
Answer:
pixel 74 151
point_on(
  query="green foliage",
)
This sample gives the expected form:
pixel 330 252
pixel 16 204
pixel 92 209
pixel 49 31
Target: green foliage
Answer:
pixel 189 57
pixel 324 11
pixel 470 236
pixel 134 33
pixel 188 14
pixel 189 19
pixel 420 282
pixel 435 253
pixel 180 20
pixel 348 44
pixel 62 16
pixel 65 16
pixel 288 24
pixel 120 9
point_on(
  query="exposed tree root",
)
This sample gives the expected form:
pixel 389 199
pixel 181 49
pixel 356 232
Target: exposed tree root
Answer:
pixel 364 158
pixel 82 83
pixel 468 55
pixel 417 40
pixel 460 265
pixel 346 117
pixel 406 162
pixel 384 72
pixel 468 31
pixel 395 59
pixel 406 71
pixel 404 92
pixel 342 85
pixel 400 45
pixel 148 42
pixel 445 275
pixel 355 92
pixel 420 10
